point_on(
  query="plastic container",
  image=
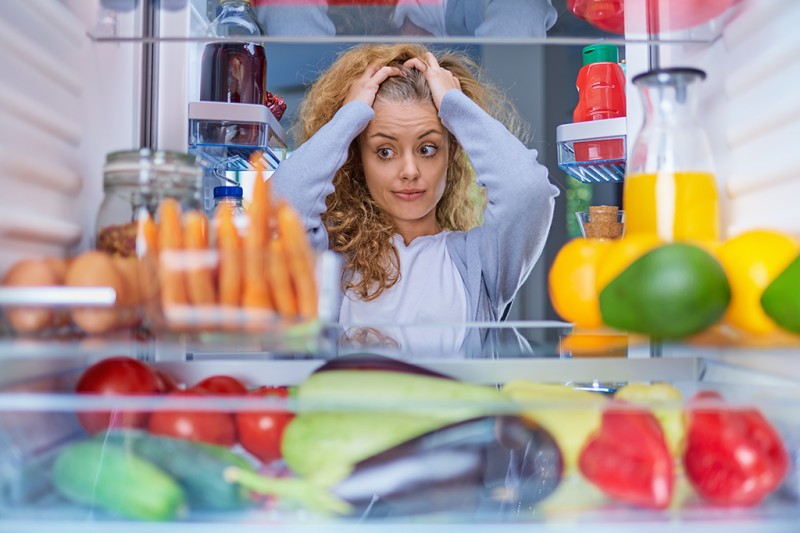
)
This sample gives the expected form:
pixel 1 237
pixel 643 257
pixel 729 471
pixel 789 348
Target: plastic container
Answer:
pixel 230 196
pixel 515 481
pixel 670 187
pixel 601 95
pixel 135 183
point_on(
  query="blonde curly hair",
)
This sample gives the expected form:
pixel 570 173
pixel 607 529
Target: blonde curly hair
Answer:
pixel 357 227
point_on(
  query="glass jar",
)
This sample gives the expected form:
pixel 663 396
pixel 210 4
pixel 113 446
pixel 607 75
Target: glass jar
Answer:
pixel 135 182
pixel 670 187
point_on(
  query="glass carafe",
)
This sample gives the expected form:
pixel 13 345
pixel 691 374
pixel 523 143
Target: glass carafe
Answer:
pixel 234 70
pixel 670 187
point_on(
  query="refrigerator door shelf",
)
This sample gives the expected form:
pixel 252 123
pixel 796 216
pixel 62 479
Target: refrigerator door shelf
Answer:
pixel 226 135
pixel 593 151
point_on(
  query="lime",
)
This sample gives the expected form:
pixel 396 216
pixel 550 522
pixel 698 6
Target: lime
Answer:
pixel 781 298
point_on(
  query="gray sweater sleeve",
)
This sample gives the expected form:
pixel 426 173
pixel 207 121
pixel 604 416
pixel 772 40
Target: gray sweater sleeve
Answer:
pixel 306 177
pixel 499 254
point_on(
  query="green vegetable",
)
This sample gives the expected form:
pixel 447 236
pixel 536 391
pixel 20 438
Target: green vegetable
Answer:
pixel 106 476
pixel 324 445
pixel 781 298
pixel 671 292
pixel 198 467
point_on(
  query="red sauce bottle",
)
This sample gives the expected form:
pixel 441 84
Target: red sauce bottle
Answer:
pixel 601 95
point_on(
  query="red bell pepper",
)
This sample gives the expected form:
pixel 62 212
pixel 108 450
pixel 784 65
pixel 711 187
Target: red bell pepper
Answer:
pixel 628 458
pixel 733 456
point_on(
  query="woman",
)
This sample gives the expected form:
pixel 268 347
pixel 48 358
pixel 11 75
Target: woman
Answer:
pixel 390 137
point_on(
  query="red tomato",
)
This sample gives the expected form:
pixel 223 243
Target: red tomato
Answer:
pixel 733 456
pixel 221 385
pixel 260 432
pixel 166 383
pixel 116 375
pixel 212 427
pixel 628 458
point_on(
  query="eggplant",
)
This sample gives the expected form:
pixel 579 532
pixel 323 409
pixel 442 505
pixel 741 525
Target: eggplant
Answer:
pixel 449 470
pixel 368 361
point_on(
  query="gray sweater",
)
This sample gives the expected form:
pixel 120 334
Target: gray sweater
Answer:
pixel 493 259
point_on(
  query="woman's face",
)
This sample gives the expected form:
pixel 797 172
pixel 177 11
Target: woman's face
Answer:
pixel 404 151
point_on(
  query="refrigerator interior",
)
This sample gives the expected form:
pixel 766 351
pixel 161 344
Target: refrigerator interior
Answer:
pixel 80 79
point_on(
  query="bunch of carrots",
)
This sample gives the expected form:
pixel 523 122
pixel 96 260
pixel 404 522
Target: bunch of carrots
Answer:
pixel 268 268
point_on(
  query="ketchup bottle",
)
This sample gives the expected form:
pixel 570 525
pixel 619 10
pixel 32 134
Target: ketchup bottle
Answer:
pixel 601 95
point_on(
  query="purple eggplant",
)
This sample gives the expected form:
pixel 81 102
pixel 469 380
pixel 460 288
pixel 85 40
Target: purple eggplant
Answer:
pixel 367 361
pixel 490 463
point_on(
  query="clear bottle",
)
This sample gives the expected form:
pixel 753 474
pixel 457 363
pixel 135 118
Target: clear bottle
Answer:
pixel 231 198
pixel 670 187
pixel 135 182
pixel 234 70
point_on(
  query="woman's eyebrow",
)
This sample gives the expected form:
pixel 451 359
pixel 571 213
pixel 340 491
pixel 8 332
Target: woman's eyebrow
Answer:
pixel 437 132
pixel 380 134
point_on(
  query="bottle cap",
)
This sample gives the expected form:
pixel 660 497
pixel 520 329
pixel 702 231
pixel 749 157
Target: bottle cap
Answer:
pixel 600 53
pixel 228 192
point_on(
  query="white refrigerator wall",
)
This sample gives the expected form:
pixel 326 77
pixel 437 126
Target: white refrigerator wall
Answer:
pixel 65 101
pixel 751 110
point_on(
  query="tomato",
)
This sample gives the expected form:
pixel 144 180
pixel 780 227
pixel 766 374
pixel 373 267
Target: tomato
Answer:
pixel 260 432
pixel 116 375
pixel 166 383
pixel 221 384
pixel 628 458
pixel 733 456
pixel 212 427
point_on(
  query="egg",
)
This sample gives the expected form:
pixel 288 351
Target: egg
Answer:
pixel 31 273
pixel 96 269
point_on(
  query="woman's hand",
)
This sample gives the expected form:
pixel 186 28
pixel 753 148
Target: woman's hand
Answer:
pixel 365 88
pixel 440 80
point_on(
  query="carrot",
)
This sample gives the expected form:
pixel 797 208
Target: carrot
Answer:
pixel 280 282
pixel 146 235
pixel 170 238
pixel 230 265
pixel 256 289
pixel 300 259
pixel 199 279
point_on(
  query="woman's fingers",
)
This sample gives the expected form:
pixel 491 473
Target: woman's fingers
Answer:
pixel 384 73
pixel 365 88
pixel 440 80
pixel 416 63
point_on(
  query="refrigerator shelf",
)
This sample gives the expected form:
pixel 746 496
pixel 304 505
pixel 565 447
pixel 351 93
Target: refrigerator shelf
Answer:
pixel 593 151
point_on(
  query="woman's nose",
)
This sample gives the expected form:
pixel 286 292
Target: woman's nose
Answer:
pixel 409 171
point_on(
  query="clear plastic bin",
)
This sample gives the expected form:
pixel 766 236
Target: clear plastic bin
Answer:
pixel 475 454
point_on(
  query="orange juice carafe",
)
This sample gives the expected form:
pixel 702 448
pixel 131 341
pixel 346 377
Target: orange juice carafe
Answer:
pixel 670 188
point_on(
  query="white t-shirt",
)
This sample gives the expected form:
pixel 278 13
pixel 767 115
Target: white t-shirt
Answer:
pixel 430 292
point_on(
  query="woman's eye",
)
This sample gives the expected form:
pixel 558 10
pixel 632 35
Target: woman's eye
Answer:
pixel 385 153
pixel 428 150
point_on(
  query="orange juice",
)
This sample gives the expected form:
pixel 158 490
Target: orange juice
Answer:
pixel 676 206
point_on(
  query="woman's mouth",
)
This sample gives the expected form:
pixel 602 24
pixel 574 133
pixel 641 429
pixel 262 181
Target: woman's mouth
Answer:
pixel 409 194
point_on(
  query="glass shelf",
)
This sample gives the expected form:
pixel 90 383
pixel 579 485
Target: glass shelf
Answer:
pixel 372 21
